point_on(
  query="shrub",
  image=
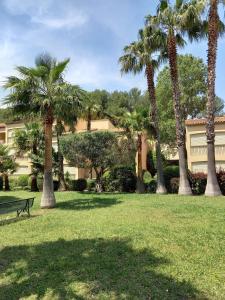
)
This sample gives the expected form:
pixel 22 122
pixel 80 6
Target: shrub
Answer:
pixel 79 185
pixel 91 185
pixel 169 173
pixel 1 183
pixel 147 177
pixel 151 186
pixel 174 185
pixel 198 183
pixel 221 180
pixel 13 182
pixel 40 183
pixel 22 180
pixel 55 185
pixel 120 179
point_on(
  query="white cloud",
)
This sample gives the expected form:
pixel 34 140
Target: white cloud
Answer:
pixel 29 7
pixel 66 21
pixel 49 13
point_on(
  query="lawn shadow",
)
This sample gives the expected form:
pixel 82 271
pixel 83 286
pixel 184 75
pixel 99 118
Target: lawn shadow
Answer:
pixel 9 198
pixel 8 221
pixel 87 269
pixel 89 203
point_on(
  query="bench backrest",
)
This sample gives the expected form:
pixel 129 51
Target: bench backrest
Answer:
pixel 10 206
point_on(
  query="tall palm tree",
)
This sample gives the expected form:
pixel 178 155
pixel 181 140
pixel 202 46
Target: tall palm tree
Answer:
pixel 174 21
pixel 135 125
pixel 138 57
pixel 212 187
pixel 37 91
pixel 90 110
pixel 67 112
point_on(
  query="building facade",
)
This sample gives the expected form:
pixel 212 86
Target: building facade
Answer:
pixel 24 163
pixel 196 143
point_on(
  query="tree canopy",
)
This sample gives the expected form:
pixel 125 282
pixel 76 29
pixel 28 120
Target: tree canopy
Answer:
pixel 193 86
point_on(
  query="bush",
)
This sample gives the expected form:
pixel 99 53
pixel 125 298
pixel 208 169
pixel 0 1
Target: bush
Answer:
pixel 174 185
pixel 22 180
pixel 1 183
pixel 13 182
pixel 40 181
pixel 221 180
pixel 169 173
pixel 151 186
pixel 55 185
pixel 198 183
pixel 18 182
pixel 91 185
pixel 147 177
pixel 120 179
pixel 78 185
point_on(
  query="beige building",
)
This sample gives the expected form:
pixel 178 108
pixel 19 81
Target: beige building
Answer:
pixel 24 164
pixel 195 142
pixel 197 145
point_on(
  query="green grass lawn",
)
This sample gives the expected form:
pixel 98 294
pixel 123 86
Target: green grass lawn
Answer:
pixel 114 246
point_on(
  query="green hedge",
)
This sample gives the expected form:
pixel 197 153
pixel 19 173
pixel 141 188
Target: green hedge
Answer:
pixel 169 173
pixel 120 179
pixel 78 185
pixel 91 185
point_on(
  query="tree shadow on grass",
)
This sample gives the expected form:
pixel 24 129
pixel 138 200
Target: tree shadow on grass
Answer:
pixel 6 221
pixel 87 269
pixel 9 198
pixel 4 217
pixel 89 203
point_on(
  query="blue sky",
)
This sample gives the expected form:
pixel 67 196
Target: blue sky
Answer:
pixel 91 32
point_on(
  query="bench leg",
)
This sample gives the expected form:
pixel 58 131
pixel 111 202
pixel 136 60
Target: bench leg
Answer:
pixel 28 211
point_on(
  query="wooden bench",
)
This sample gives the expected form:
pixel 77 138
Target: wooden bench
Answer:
pixel 19 206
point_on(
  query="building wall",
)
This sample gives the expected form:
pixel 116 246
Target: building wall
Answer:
pixel 195 142
pixel 197 146
pixel 24 164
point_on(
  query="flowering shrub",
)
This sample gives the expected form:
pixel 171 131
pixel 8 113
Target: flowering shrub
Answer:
pixel 198 183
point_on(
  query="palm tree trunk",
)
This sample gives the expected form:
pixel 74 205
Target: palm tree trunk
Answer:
pixel 99 187
pixel 48 197
pixel 140 188
pixel 212 187
pixel 61 177
pixel 184 185
pixel 161 189
pixel 6 179
pixel 34 185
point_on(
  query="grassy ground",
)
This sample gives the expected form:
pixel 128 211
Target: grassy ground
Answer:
pixel 114 247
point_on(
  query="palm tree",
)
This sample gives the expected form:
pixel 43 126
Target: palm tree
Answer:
pixel 212 187
pixel 67 113
pixel 37 91
pixel 30 140
pixel 135 124
pixel 90 110
pixel 138 57
pixel 174 21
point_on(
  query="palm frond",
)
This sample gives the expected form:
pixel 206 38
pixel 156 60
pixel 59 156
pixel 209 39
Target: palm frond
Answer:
pixel 58 69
